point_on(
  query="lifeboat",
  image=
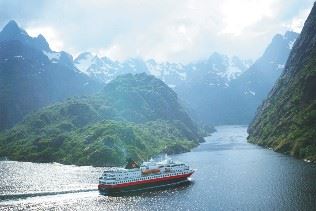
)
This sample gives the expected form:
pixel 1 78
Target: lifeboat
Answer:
pixel 151 171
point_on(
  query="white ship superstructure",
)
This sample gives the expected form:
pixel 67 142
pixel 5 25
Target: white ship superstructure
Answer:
pixel 147 176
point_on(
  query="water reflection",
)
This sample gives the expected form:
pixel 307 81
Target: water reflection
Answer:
pixel 231 174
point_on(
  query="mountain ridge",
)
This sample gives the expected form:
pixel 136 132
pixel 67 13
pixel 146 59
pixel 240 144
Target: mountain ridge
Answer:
pixel 285 121
pixel 32 75
pixel 210 85
pixel 11 31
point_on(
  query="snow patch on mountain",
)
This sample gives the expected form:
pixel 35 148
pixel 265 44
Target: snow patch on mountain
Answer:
pixel 291 44
pixel 281 66
pixel 172 86
pixel 84 61
pixel 218 68
pixel 230 68
pixel 52 56
pixel 249 92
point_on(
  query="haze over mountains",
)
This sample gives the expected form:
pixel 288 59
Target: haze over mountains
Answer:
pixel 104 69
pixel 218 90
pixel 133 116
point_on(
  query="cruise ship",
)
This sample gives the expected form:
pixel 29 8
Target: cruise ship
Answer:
pixel 150 175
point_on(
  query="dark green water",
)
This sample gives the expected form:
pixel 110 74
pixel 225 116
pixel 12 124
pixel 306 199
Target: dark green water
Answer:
pixel 231 175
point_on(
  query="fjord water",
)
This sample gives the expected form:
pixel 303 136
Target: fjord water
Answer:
pixel 231 174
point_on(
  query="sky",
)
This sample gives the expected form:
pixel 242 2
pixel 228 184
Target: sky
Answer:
pixel 164 30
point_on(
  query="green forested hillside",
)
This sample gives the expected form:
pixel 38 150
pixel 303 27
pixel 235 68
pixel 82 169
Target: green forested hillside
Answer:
pixel 286 121
pixel 134 116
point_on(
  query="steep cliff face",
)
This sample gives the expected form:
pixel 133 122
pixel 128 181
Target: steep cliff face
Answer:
pixel 286 121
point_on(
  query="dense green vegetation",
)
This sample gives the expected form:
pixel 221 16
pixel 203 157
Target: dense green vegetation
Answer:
pixel 135 116
pixel 105 143
pixel 289 124
pixel 287 119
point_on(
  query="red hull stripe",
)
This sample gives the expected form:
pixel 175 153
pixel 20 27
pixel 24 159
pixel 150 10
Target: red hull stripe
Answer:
pixel 145 181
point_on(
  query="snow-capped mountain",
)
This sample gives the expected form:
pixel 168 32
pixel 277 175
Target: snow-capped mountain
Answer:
pixel 218 68
pixel 223 66
pixel 170 73
pixel 219 89
pixel 261 76
pixel 104 69
pixel 238 102
pixel 12 32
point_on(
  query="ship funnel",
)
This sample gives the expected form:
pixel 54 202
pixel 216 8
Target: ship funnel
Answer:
pixel 131 164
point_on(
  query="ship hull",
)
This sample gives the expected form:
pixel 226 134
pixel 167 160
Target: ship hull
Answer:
pixel 147 186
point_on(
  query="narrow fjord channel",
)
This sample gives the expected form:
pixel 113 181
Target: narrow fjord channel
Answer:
pixel 231 175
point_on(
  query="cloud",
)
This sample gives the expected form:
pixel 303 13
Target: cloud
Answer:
pixel 181 31
pixel 50 34
pixel 238 15
pixel 296 24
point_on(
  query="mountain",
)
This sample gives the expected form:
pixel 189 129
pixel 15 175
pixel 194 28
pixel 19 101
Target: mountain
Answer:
pixel 12 31
pixel 232 96
pixel 217 65
pixel 194 82
pixel 216 90
pixel 104 69
pixel 33 76
pixel 218 69
pixel 248 91
pixel 208 82
pixel 286 120
pixel 134 116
